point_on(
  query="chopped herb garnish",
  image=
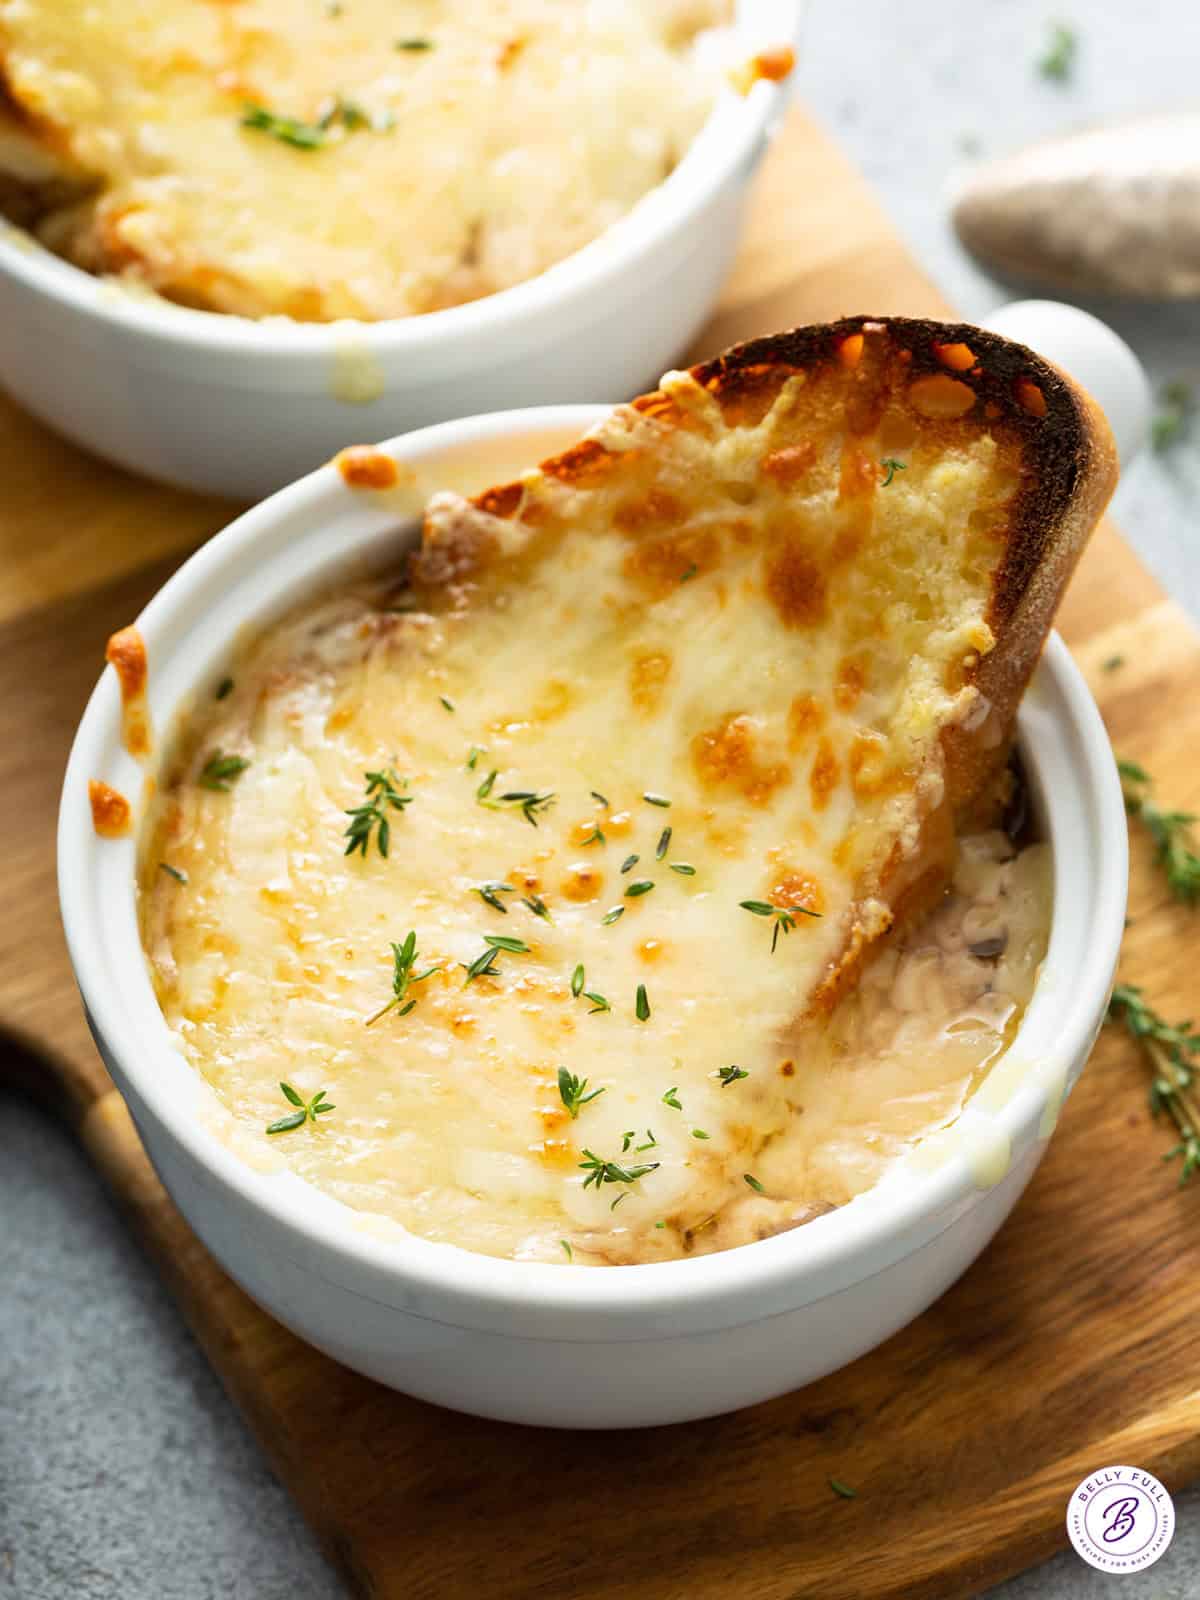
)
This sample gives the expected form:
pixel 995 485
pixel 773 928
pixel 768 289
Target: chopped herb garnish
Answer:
pixel 628 1138
pixel 538 906
pixel 729 1075
pixel 656 800
pixel 570 1254
pixel 1113 663
pixel 383 790
pixel 683 868
pixel 578 980
pixel 624 1195
pixel 689 572
pixel 660 1224
pixel 642 886
pixel 525 800
pixel 663 845
pixel 599 1171
pixel 599 1003
pixel 219 771
pixel 753 1182
pixel 414 44
pixel 1175 409
pixel 643 1004
pixel 499 941
pixel 1059 56
pixel 572 1092
pixel 403 957
pixel 172 872
pixel 1171 1049
pixel 449 704
pixel 611 916
pixel 785 917
pixel 629 863
pixel 598 797
pixel 224 688
pixel 1171 831
pixel 483 965
pixel 699 1133
pixel 842 1489
pixel 473 756
pixel 308 1110
pixel 288 130
pixel 671 1098
pixel 595 837
pixel 891 467
pixel 490 894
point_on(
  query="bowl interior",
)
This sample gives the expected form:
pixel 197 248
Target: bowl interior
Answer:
pixel 306 536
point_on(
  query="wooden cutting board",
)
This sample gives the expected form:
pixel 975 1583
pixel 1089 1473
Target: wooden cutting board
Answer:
pixel 1069 1346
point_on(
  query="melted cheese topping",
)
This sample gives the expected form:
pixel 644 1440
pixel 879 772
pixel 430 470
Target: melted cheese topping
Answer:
pixel 464 149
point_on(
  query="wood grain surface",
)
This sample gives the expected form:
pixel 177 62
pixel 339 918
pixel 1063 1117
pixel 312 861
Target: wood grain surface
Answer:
pixel 1069 1345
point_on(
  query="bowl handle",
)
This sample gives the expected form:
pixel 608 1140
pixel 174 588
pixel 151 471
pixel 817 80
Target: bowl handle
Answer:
pixel 1094 355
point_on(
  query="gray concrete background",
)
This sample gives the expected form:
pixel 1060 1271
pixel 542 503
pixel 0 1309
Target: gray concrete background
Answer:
pixel 124 1472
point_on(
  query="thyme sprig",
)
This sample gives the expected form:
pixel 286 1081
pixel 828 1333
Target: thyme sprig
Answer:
pixel 528 801
pixel 307 1110
pixel 785 916
pixel 490 894
pixel 572 1091
pixel 382 793
pixel 600 1172
pixel 890 468
pixel 403 957
pixel 1175 848
pixel 729 1075
pixel 1171 1048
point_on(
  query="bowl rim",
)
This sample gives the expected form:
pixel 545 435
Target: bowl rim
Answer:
pixel 110 967
pixel 729 140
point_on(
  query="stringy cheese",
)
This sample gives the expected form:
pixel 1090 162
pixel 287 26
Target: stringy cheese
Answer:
pixel 675 612
pixel 503 139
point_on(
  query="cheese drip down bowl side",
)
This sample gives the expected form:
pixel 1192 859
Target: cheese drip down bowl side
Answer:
pixel 227 405
pixel 567 1346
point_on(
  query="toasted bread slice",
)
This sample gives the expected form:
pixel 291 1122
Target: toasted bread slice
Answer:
pixel 808 581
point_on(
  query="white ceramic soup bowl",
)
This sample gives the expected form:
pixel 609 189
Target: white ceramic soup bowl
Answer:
pixel 567 1345
pixel 238 407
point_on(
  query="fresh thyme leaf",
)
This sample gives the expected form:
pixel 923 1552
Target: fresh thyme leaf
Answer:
pixel 656 800
pixel 527 801
pixel 598 797
pixel 449 704
pixel 414 44
pixel 595 837
pixel 1059 58
pixel 309 1110
pixel 699 1133
pixel 891 467
pixel 671 1098
pixel 499 941
pixel 473 756
pixel 599 1003
pixel 403 977
pixel 572 1091
pixel 490 894
pixel 288 130
pixel 650 1144
pixel 683 868
pixel 842 1489
pixel 578 980
pixel 660 1224
pixel 689 573
pixel 1113 663
pixel 599 1172
pixel 172 872
pixel 629 863
pixel 611 916
pixel 1175 850
pixel 627 1139
pixel 754 1183
pixel 567 1248
pixel 486 787
pixel 383 791
pixel 785 916
pixel 642 886
pixel 224 688
pixel 663 845
pixel 1171 1048
pixel 483 965
pixel 730 1075
pixel 624 1195
pixel 220 771
pixel 538 906
pixel 1176 407
pixel 643 1004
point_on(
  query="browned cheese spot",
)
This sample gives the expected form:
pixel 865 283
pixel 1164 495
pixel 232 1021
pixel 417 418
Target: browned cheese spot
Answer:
pixel 659 565
pixel 796 890
pixel 362 467
pixel 851 681
pixel 583 882
pixel 126 654
pixel 796 586
pixel 725 755
pixel 790 464
pixel 648 673
pixel 111 812
pixel 824 776
pixel 806 716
